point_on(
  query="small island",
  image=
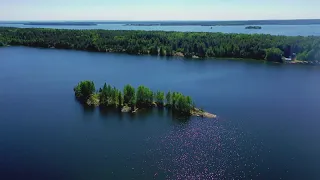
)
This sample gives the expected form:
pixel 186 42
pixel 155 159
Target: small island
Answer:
pixel 131 100
pixel 253 27
pixel 145 24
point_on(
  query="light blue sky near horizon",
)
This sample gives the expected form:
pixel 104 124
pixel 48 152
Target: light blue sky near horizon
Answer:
pixel 158 10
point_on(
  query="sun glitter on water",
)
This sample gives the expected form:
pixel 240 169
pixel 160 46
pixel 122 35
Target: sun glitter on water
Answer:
pixel 206 149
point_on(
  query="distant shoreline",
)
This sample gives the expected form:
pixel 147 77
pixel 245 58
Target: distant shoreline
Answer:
pixel 204 45
pixel 175 23
pixel 60 24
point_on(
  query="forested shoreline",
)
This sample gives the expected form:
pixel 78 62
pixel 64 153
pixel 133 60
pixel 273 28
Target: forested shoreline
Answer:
pixel 160 43
pixel 131 99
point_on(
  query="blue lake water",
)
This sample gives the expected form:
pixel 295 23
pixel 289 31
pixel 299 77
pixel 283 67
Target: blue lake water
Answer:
pixel 288 30
pixel 268 125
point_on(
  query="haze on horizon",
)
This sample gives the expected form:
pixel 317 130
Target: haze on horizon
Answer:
pixel 11 10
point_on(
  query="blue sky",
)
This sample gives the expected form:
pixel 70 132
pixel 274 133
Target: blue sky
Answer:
pixel 158 9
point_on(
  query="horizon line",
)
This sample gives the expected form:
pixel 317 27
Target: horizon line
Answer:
pixel 163 20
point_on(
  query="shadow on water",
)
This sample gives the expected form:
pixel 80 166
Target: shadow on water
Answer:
pixel 88 110
pixel 106 112
pixel 178 118
pixel 160 111
pixel 141 115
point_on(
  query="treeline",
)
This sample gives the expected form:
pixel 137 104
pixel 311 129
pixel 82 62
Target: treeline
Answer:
pixel 188 44
pixel 142 97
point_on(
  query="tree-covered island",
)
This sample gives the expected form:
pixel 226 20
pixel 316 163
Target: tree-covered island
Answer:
pixel 253 27
pixel 131 99
pixel 161 43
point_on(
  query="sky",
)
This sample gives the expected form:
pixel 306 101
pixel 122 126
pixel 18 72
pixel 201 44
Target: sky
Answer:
pixel 158 9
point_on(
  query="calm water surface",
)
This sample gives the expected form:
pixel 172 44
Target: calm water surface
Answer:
pixel 268 125
pixel 287 30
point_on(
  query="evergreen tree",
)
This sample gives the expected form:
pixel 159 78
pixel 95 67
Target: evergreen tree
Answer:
pixel 144 97
pixel 169 99
pixel 129 95
pixel 120 99
pixel 84 89
pixel 160 98
pixel 162 52
pixel 274 54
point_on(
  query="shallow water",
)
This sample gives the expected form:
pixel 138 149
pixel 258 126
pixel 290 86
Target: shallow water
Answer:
pixel 267 126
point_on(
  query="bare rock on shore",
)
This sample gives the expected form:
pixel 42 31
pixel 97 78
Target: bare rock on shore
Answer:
pixel 209 115
pixel 200 113
pixel 180 54
pixel 135 110
pixel 154 104
pixel 126 109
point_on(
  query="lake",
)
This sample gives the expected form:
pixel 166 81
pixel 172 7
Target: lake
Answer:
pixel 287 30
pixel 268 124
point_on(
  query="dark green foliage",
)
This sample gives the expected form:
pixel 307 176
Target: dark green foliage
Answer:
pixel 174 98
pixel 104 95
pixel 144 97
pixel 189 101
pixel 159 98
pixel 93 100
pixel 129 95
pixel 253 27
pixel 84 89
pixel 202 44
pixel 162 51
pixel 302 56
pixel 181 103
pixel 114 96
pixel 314 54
pixel 274 54
pixel 117 98
pixel 120 99
pixel 169 99
pixel 109 96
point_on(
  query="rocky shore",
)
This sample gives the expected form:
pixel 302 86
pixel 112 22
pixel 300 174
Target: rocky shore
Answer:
pixel 131 100
pixel 200 113
pixel 94 101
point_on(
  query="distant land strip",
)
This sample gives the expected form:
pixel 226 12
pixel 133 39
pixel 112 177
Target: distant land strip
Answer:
pixel 226 23
pixel 61 23
pixel 174 23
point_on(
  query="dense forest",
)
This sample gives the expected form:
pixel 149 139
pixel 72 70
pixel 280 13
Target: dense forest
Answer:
pixel 187 44
pixel 142 97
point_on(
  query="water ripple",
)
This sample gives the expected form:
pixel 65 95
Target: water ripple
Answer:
pixel 206 149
